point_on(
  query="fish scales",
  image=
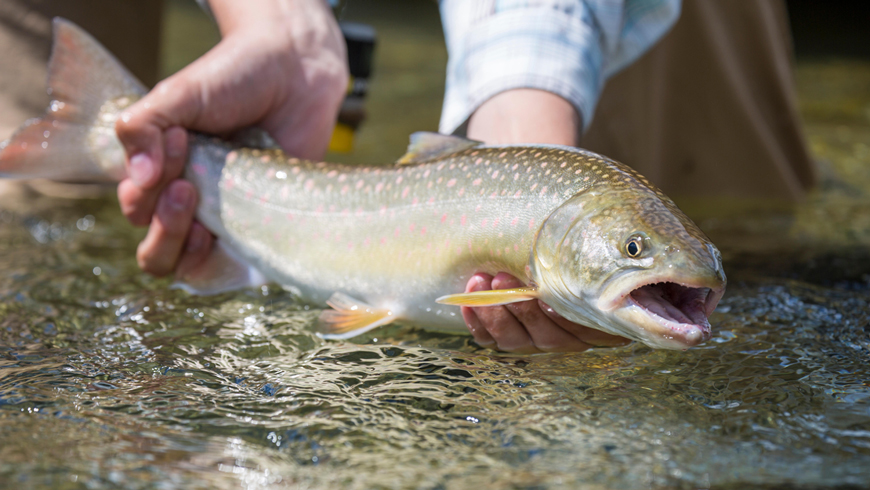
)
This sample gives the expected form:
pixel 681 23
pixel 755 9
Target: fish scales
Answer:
pixel 370 231
pixel 590 236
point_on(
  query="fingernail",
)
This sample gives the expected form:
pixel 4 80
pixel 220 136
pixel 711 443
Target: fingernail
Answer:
pixel 180 197
pixel 141 169
pixel 196 239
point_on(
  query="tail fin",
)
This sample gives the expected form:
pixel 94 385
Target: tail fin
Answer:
pixel 75 140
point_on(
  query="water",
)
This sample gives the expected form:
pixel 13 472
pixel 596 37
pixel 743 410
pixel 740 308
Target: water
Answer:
pixel 110 379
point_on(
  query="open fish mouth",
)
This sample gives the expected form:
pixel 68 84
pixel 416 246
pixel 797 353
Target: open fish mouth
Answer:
pixel 678 311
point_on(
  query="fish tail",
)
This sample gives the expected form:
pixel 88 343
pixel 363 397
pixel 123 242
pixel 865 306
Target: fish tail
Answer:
pixel 75 140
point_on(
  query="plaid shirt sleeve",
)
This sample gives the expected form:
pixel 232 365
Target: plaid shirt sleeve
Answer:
pixel 567 47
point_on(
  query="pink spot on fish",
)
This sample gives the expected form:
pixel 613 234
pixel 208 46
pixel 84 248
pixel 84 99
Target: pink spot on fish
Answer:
pixel 405 191
pixel 502 154
pixel 479 160
pixel 461 191
pixel 476 182
pixel 516 248
pixel 515 221
pixel 451 182
pixel 462 220
pixel 383 240
pixel 518 193
pixel 411 227
pixel 543 190
pixel 422 230
pixel 396 233
pixel 332 173
pixel 290 217
pixel 359 183
pixel 379 187
pixel 495 174
pixel 398 180
pixel 532 224
pixel 415 201
pixel 344 190
pixel 495 223
pixel 309 184
pixel 444 217
pixel 484 222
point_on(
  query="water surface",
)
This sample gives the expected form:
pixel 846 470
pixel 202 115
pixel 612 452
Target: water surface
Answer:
pixel 110 379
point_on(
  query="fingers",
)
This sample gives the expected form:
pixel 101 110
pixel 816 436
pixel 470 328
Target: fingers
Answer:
pixel 160 250
pixel 147 131
pixel 545 334
pixel 528 326
pixel 138 198
pixel 498 322
pixel 196 250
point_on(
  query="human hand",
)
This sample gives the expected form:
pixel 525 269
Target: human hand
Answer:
pixel 280 65
pixel 529 326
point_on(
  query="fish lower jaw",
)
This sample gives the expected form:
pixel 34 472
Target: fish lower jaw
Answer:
pixel 667 314
pixel 667 333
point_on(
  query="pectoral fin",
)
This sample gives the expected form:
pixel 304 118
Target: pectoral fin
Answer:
pixel 490 298
pixel 349 317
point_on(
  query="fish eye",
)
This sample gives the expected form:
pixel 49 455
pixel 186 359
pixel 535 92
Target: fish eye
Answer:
pixel 634 246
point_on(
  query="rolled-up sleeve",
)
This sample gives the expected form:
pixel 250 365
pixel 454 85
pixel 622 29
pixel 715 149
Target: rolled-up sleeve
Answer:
pixel 566 47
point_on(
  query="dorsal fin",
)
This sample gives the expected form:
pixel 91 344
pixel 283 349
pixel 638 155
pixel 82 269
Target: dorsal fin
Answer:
pixel 427 146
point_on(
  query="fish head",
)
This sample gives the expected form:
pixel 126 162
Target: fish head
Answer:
pixel 630 263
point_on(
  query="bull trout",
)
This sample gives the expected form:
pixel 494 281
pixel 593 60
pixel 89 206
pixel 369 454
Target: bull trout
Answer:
pixel 591 237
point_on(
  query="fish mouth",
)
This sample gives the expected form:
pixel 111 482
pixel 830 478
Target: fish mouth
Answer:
pixel 671 314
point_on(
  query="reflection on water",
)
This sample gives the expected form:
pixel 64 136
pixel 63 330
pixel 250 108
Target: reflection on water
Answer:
pixel 108 379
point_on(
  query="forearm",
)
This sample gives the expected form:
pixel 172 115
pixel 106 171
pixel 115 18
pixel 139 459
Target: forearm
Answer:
pixel 526 116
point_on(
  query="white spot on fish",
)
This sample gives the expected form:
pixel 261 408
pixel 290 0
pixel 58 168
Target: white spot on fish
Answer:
pixel 281 174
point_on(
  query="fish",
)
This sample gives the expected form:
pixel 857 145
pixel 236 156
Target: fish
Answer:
pixel 589 236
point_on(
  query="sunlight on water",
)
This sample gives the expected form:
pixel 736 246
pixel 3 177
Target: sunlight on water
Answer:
pixel 110 379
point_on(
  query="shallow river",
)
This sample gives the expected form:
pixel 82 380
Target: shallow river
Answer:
pixel 110 379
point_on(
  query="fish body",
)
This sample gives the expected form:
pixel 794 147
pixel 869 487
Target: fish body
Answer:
pixel 592 238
